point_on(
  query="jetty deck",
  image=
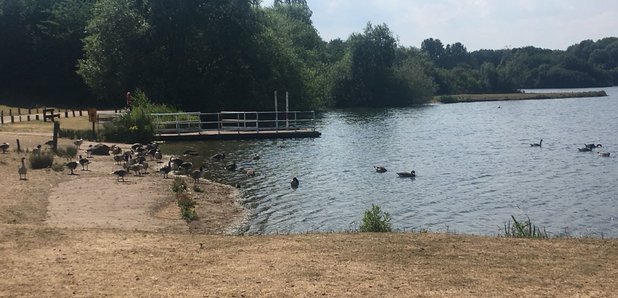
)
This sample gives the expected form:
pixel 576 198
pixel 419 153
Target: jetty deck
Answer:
pixel 229 125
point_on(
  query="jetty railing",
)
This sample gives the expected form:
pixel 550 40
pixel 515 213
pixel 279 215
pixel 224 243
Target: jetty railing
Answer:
pixel 233 121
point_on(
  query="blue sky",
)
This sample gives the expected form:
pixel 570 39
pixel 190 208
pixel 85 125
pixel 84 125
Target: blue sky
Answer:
pixel 478 24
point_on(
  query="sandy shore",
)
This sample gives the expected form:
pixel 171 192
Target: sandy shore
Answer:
pixel 88 235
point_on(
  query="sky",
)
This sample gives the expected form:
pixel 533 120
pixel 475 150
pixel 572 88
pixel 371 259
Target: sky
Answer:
pixel 477 24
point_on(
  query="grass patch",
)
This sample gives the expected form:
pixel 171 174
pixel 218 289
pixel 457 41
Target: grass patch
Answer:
pixel 77 134
pixel 57 167
pixel 187 207
pixel 67 152
pixel 179 185
pixel 375 220
pixel 523 229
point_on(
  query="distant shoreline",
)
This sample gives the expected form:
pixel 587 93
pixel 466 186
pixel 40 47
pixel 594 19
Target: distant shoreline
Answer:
pixel 515 96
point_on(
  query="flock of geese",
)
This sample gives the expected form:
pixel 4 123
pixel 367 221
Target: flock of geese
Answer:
pixel 382 169
pixel 586 148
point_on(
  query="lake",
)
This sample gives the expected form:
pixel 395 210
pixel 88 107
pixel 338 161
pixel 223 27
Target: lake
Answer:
pixel 474 164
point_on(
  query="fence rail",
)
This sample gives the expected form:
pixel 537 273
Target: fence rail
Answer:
pixel 233 121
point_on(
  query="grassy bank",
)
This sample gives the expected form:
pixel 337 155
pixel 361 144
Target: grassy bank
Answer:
pixel 515 96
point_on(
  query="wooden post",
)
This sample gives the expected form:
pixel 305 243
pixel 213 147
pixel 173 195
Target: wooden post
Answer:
pixel 19 117
pixel 12 119
pixel 28 117
pixel 66 113
pixel 56 132
pixel 80 112
pixel 10 112
pixel 29 111
pixel 18 146
pixel 18 111
pixel 1 117
pixel 73 112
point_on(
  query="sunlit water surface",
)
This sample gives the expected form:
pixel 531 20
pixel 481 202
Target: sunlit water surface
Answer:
pixel 475 168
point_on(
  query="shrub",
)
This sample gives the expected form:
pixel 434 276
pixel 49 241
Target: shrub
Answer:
pixel 187 207
pixel 525 229
pixel 375 220
pixel 179 185
pixel 85 134
pixel 67 152
pixel 41 161
pixel 448 99
pixel 137 124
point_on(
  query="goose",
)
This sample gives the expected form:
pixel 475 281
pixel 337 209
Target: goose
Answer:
pixel 186 166
pixel 137 169
pixel 294 183
pixel 118 158
pixel 137 146
pixel 250 172
pixel 166 169
pixel 84 162
pixel 585 149
pixel 120 173
pixel 50 143
pixel 22 170
pixel 176 162
pixel 145 165
pixel 380 169
pixel 603 154
pixel 71 165
pixel 190 152
pixel 592 146
pixel 407 174
pixel 4 146
pixel 218 156
pixel 197 174
pixel 537 144
pixel 37 150
pixel 158 156
pixel 231 167
pixel 89 151
pixel 116 150
pixel 78 143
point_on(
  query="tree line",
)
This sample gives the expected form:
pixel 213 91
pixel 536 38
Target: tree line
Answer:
pixel 220 55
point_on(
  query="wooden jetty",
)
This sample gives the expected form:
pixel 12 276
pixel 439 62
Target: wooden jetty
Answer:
pixel 229 125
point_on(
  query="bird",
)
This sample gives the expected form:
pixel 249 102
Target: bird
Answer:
pixel 186 166
pixel 256 157
pixel 250 172
pixel 158 156
pixel 120 173
pixel 136 168
pixel 190 152
pixel 603 154
pixel 585 149
pixel 50 143
pixel 592 146
pixel 84 162
pixel 218 156
pixel 407 174
pixel 145 165
pixel 231 167
pixel 380 169
pixel 37 150
pixel 22 170
pixel 4 146
pixel 89 151
pixel 118 158
pixel 78 143
pixel 71 165
pixel 294 183
pixel 537 144
pixel 116 150
pixel 166 169
pixel 197 174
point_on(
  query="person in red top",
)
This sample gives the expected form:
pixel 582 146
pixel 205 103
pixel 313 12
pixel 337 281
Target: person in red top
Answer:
pixel 128 101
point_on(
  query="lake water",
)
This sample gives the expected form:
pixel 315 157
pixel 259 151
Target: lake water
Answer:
pixel 475 168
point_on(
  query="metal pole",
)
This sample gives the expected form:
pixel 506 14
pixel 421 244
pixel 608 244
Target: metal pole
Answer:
pixel 287 109
pixel 276 112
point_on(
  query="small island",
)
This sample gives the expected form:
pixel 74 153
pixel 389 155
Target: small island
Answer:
pixel 516 96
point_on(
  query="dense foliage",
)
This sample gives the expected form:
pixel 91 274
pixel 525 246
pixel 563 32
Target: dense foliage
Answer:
pixel 221 55
pixel 375 220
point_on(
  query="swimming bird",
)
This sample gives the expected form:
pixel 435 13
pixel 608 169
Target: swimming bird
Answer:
pixel 218 156
pixel 71 165
pixel 78 143
pixel 4 146
pixel 120 173
pixel 22 170
pixel 190 152
pixel 84 162
pixel 603 154
pixel 592 146
pixel 537 144
pixel 294 184
pixel 166 169
pixel 411 174
pixel 197 174
pixel 585 149
pixel 231 167
pixel 380 169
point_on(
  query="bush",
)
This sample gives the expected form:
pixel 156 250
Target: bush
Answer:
pixel 85 134
pixel 187 207
pixel 136 125
pixel 179 185
pixel 67 152
pixel 448 99
pixel 375 220
pixel 526 229
pixel 42 160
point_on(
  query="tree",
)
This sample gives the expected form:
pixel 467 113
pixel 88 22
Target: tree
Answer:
pixel 433 48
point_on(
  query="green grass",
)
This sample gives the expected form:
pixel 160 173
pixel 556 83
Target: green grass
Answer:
pixel 523 229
